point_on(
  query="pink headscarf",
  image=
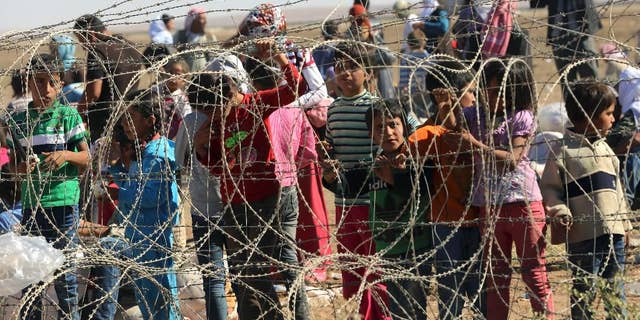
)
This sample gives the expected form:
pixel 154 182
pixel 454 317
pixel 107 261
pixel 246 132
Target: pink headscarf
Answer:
pixel 191 16
pixel 265 20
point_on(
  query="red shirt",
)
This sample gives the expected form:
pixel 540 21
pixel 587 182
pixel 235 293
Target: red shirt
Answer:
pixel 246 169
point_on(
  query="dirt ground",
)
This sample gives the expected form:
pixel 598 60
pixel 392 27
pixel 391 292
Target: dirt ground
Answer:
pixel 620 25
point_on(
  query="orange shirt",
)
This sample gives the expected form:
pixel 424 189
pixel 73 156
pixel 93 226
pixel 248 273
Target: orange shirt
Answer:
pixel 452 174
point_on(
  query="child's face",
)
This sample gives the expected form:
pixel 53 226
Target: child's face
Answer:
pixel 44 88
pixel 604 121
pixel 137 126
pixel 350 77
pixel 468 97
pixel 388 133
pixel 176 79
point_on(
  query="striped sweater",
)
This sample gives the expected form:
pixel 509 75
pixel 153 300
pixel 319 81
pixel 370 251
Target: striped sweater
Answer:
pixel 580 180
pixel 348 134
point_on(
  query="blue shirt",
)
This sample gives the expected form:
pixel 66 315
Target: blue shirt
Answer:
pixel 149 192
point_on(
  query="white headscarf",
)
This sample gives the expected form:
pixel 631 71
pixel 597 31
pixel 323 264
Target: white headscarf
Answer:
pixel 231 66
pixel 158 32
pixel 429 7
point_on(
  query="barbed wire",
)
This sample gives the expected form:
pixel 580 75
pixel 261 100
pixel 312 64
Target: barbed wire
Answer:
pixel 406 258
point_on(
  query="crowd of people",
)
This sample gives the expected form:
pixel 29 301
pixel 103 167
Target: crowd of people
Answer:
pixel 433 177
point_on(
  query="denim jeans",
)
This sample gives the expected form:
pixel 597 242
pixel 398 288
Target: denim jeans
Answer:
pixel 153 301
pixel 288 222
pixel 598 265
pixel 408 297
pixel 210 243
pixel 251 248
pixel 455 249
pixel 107 278
pixel 59 226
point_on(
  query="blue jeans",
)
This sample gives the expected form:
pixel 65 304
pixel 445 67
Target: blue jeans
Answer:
pixel 107 278
pixel 59 226
pixel 455 251
pixel 598 265
pixel 288 222
pixel 210 241
pixel 408 297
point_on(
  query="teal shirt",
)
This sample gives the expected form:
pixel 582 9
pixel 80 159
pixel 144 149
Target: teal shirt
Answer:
pixel 397 219
pixel 57 128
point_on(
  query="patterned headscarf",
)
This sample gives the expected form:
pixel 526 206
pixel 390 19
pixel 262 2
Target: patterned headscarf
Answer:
pixel 265 20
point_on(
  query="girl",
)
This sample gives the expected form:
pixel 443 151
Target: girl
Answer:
pixel 153 210
pixel 505 189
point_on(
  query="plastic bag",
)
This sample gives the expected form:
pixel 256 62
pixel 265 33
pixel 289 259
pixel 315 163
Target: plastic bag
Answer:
pixel 24 261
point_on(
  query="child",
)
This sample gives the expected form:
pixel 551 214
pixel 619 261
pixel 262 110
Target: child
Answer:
pixel 176 103
pixel 456 234
pixel 396 216
pixel 348 143
pixel 48 147
pixel 148 191
pixel 206 206
pixel 413 73
pixel 586 201
pixel 505 187
pixel 20 99
pixel 234 144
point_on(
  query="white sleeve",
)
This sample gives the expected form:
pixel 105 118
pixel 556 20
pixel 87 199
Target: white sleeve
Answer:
pixel 312 76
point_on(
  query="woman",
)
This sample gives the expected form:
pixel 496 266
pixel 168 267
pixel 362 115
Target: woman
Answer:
pixel 194 36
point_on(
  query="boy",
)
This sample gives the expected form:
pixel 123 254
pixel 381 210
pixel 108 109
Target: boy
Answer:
pixel 413 73
pixel 397 217
pixel 348 143
pixel 586 201
pixel 48 148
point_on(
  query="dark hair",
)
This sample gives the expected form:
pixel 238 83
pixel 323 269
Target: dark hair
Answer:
pixel 387 108
pixel 586 100
pixel 45 63
pixel 19 83
pixel 330 29
pixel 519 92
pixel 89 22
pixel 416 39
pixel 154 53
pixel 147 104
pixel 353 51
pixel 209 90
pixel 261 74
pixel 448 74
pixel 166 18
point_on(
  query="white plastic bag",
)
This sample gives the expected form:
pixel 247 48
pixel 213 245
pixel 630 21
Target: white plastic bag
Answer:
pixel 24 261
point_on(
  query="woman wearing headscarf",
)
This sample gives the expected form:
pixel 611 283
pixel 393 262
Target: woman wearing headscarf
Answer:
pixel 160 30
pixel 194 36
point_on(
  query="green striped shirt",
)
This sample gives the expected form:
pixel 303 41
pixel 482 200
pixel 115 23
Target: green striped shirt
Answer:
pixel 55 129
